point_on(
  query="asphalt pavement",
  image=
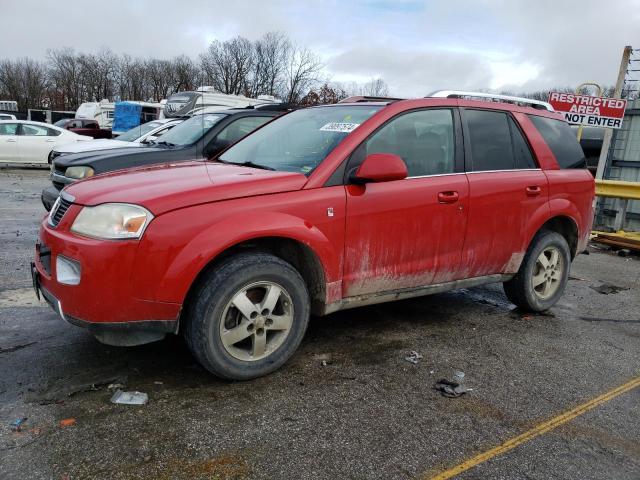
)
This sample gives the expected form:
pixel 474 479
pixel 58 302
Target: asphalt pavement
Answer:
pixel 348 405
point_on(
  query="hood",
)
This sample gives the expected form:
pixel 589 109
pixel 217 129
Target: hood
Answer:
pixel 103 144
pixel 161 188
pixel 100 158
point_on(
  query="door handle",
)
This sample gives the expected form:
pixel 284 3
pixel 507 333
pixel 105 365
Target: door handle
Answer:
pixel 533 190
pixel 12 140
pixel 50 140
pixel 448 197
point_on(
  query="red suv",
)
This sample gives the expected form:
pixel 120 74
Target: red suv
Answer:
pixel 322 209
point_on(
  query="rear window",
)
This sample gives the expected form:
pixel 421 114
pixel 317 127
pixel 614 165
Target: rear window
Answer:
pixel 561 140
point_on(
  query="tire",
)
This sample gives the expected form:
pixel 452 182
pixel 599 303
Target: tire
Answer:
pixel 235 328
pixel 522 289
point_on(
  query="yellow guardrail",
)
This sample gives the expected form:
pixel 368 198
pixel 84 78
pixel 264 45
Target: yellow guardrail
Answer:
pixel 623 191
pixel 618 189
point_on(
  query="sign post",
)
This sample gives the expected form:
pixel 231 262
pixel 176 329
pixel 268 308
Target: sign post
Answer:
pixel 599 94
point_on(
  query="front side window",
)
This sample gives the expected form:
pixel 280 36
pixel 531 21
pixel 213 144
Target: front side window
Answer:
pixel 423 139
pixel 34 130
pixel 241 128
pixel 561 140
pixel 301 140
pixel 193 129
pixel 8 128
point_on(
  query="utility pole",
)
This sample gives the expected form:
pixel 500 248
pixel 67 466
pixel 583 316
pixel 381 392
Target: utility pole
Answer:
pixel 606 141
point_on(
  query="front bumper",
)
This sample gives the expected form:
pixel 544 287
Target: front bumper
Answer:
pixel 103 301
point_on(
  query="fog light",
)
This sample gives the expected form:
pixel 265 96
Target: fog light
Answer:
pixel 67 270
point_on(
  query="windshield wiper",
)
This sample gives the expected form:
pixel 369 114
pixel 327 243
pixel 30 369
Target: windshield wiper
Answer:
pixel 249 163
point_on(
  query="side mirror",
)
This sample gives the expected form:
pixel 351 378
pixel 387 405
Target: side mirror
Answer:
pixel 150 138
pixel 380 167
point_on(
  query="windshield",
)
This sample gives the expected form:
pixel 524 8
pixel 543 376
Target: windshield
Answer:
pixel 191 130
pixel 300 141
pixel 137 132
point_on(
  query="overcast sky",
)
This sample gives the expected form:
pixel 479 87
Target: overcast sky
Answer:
pixel 416 46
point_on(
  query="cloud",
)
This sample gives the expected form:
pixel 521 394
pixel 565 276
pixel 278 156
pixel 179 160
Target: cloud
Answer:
pixel 415 46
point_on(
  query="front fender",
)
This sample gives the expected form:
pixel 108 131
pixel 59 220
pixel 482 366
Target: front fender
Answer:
pixel 178 245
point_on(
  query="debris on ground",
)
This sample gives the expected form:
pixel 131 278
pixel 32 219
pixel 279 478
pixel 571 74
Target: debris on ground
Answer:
pixel 129 398
pixel 16 425
pixel 608 289
pixel 115 386
pixel 67 422
pixel 459 375
pixel 414 357
pixel 451 389
pixel 324 359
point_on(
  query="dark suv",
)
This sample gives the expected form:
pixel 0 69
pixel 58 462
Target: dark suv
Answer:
pixel 201 136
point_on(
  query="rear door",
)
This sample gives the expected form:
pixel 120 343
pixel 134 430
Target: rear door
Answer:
pixel 35 142
pixel 408 233
pixel 506 189
pixel 9 142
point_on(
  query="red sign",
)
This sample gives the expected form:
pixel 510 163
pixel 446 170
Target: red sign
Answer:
pixel 588 110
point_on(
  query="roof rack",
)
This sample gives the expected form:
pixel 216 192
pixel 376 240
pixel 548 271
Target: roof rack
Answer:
pixel 493 97
pixel 367 98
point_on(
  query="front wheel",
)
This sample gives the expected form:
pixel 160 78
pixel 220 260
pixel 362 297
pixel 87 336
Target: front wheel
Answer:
pixel 543 275
pixel 247 316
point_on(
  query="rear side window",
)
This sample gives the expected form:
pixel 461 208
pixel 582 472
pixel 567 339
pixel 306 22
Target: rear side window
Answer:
pixel 490 140
pixel 496 142
pixel 561 140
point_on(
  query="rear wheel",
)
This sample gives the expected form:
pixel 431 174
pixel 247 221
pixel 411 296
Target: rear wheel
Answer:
pixel 247 316
pixel 543 275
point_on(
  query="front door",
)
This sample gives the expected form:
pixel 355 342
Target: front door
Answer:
pixel 408 233
pixel 9 142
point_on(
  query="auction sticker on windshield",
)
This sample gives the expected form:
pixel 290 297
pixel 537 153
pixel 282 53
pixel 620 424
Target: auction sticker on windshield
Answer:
pixel 339 127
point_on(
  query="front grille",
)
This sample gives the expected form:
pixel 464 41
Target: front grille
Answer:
pixel 59 209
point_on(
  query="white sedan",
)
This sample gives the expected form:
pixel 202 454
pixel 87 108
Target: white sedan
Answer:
pixel 23 141
pixel 136 137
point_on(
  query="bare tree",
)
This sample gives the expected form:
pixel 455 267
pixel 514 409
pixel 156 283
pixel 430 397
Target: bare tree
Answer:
pixel 185 74
pixel 303 69
pixel 376 87
pixel 97 73
pixel 227 64
pixel 24 81
pixel 65 73
pixel 269 63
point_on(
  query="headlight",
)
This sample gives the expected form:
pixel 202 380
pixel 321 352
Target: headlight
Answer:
pixel 78 172
pixel 112 221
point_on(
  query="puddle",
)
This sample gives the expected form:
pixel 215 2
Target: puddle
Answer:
pixel 608 289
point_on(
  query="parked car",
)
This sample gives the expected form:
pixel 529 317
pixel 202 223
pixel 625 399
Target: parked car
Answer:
pixel 23 141
pixel 201 136
pixel 81 126
pixel 136 137
pixel 323 209
pixel 7 116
